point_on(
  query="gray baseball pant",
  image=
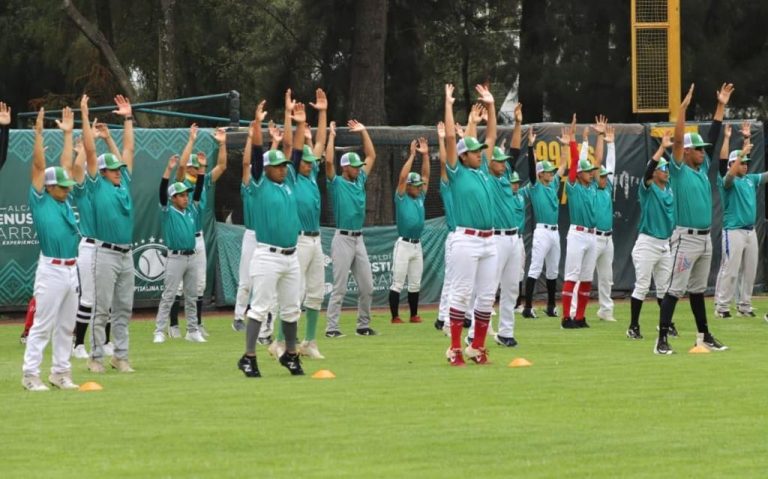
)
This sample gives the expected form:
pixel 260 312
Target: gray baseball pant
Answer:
pixel 178 269
pixel 348 253
pixel 114 279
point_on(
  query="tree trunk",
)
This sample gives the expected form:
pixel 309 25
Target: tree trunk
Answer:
pixel 532 49
pixel 98 39
pixel 366 99
pixel 166 69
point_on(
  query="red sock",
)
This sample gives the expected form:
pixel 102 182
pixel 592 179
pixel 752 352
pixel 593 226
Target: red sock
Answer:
pixel 457 324
pixel 481 329
pixel 30 318
pixel 582 299
pixel 567 296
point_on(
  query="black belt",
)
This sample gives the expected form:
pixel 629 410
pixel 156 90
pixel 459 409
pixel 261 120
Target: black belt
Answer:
pixel 411 240
pixel 310 233
pixel 692 231
pixel 115 247
pixel 285 251
pixel 198 234
pixel 182 252
pixel 748 228
pixel 603 233
pixel 351 233
pixel 512 232
pixel 90 240
pixel 550 227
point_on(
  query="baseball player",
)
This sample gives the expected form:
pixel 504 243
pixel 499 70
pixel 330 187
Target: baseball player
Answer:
pixel 407 256
pixel 189 168
pixel 348 248
pixel 580 256
pixel 443 319
pixel 651 254
pixel 179 221
pixel 691 242
pixel 739 242
pixel 523 195
pixel 476 267
pixel 275 270
pixel 110 189
pixel 56 281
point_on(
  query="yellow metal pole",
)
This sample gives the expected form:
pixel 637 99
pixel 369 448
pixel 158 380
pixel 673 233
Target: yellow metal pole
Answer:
pixel 632 20
pixel 673 58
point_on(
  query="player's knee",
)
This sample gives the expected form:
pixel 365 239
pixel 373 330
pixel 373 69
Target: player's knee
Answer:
pixel 414 288
pixel 313 302
pixel 396 286
pixel 290 314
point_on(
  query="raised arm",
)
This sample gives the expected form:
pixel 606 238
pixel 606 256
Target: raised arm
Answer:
pixel 450 128
pixel 423 148
pixel 290 103
pixel 370 152
pixel 5 128
pixel 406 169
pixel 677 145
pixel 38 154
pixel 486 98
pixel 476 115
pixel 200 182
pixel 172 162
pixel 186 153
pixel 725 150
pixel 565 151
pixel 124 109
pixel 220 135
pixel 77 171
pixel 517 134
pixel 257 150
pixel 441 154
pixel 89 142
pixel 666 142
pixel 600 127
pixel 723 97
pixel 246 174
pixel 321 105
pixel 300 117
pixel 532 156
pixel 610 158
pixel 330 167
pixel 66 125
pixel 275 135
pixel 733 171
pixel 101 131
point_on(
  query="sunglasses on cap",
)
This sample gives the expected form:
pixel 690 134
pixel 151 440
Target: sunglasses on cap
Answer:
pixel 664 168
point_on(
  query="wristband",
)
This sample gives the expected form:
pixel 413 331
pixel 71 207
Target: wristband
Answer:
pixel 129 118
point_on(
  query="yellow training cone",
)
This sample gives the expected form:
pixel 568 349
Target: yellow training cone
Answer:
pixel 520 363
pixel 698 350
pixel 90 386
pixel 323 374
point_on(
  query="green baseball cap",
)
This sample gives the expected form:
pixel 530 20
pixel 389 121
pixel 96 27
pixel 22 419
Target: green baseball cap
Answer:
pixel 307 155
pixel 58 176
pixel 735 155
pixel 109 161
pixel 604 172
pixel 498 154
pixel 663 165
pixel 177 188
pixel 693 140
pixel 274 158
pixel 414 179
pixel 585 166
pixel 545 167
pixel 468 143
pixel 515 178
pixel 351 159
pixel 193 161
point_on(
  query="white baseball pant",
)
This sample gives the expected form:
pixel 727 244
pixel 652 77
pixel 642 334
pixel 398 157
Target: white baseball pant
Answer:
pixel 739 254
pixel 580 255
pixel 201 264
pixel 244 278
pixel 475 269
pixel 510 264
pixel 348 253
pixel 604 268
pixel 312 269
pixel 408 260
pixel 652 259
pixel 545 250
pixel 275 276
pixel 445 294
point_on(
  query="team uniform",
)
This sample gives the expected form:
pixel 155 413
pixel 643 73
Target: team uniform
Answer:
pixel 113 263
pixel 604 236
pixel 348 250
pixel 180 267
pixel 475 262
pixel 739 257
pixel 248 245
pixel 443 318
pixel 651 255
pixel 56 285
pixel 407 256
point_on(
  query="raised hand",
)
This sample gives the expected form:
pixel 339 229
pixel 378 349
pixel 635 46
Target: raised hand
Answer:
pixel 321 102
pixel 172 162
pixel 519 113
pixel 123 106
pixel 5 114
pixel 275 133
pixel 202 159
pixel 412 148
pixel 688 98
pixel 666 140
pixel 484 113
pixel 67 122
pixel 355 126
pixel 601 121
pixel 531 136
pixel 449 99
pixel 585 134
pixel 724 93
pixel 727 130
pixel 39 120
pixel 503 144
pixel 572 131
pixel 101 129
pixel 441 130
pixel 484 94
pixel 84 104
pixel 565 136
pixel 193 132
pixel 610 133
pixel 423 146
pixel 476 113
pixel 332 128
pixel 308 132
pixel 220 135
pixel 745 131
pixel 260 114
pixel 459 130
pixel 299 114
pixel 747 148
pixel 290 103
pixel 79 148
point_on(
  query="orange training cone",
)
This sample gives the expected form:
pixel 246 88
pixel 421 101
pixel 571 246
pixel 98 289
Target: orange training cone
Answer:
pixel 520 363
pixel 323 374
pixel 698 350
pixel 90 386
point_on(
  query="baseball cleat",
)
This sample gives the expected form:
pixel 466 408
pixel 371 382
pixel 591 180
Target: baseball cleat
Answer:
pixel 747 314
pixel 238 325
pixel 723 314
pixel 503 341
pixel 310 350
pixel 634 332
pixel 455 357
pixel 62 381
pixel 551 312
pixel 203 331
pixel 415 319
pixel 174 332
pixel 334 334
pixel 479 356
pixel 672 330
pixel 159 337
pixel 439 324
pixel 568 323
pixel 528 313
pixel 195 337
pixel 608 317
pixel 581 323
pixel 247 364
pixel 662 347
pixel 122 365
pixel 397 320
pixel 79 352
pixel 365 332
pixel 95 366
pixel 468 340
pixel 33 383
pixel 709 342
pixel 292 363
pixel 276 349
pixel 265 341
pixel 23 338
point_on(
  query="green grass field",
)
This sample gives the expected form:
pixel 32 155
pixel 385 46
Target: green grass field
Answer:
pixel 593 404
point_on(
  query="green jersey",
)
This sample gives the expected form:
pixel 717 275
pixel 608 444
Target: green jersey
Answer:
pixel 248 194
pixel 693 194
pixel 472 197
pixel 348 201
pixel 581 203
pixel 55 225
pixel 447 197
pixel 307 198
pixel 84 204
pixel 410 215
pixel 739 201
pixel 505 211
pixel 179 226
pixel 657 211
pixel 113 209
pixel 604 208
pixel 544 201
pixel 276 216
pixel 203 198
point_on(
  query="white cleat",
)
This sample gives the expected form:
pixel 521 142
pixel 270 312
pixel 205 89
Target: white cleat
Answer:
pixel 159 337
pixel 62 381
pixel 108 349
pixel 276 349
pixel 195 337
pixel 203 331
pixel 79 352
pixel 309 349
pixel 33 383
pixel 174 333
pixel 607 317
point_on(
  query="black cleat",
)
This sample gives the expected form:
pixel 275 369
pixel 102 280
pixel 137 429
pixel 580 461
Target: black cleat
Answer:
pixel 528 313
pixel 713 344
pixel 439 324
pixel 265 341
pixel 662 346
pixel 334 334
pixel 247 364
pixel 747 314
pixel 673 330
pixel 551 311
pixel 507 342
pixel 366 332
pixel 634 332
pixel 723 314
pixel 581 323
pixel 568 323
pixel 467 323
pixel 292 363
pixel 468 340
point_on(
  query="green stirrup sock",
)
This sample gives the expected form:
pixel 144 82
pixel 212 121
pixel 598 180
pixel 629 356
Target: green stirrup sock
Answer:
pixel 312 316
